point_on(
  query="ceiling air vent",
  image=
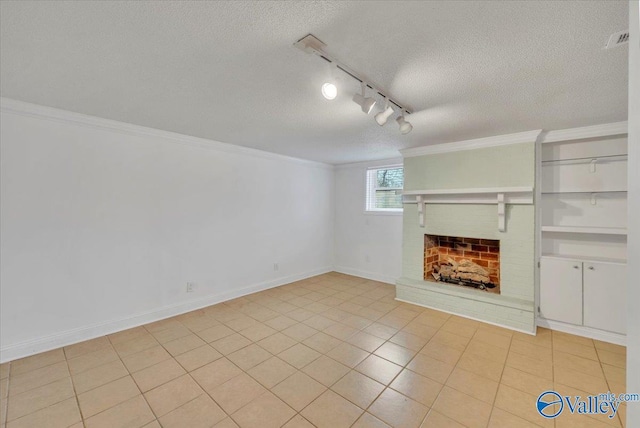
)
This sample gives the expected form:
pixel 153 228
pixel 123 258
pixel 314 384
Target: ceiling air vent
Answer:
pixel 618 39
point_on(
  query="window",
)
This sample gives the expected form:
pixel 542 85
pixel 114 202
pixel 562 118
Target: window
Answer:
pixel 382 187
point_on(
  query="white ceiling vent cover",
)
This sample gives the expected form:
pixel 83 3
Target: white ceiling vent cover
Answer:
pixel 618 39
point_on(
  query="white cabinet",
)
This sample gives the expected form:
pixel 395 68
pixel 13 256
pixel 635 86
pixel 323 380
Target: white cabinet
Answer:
pixel 561 297
pixel 604 296
pixel 583 292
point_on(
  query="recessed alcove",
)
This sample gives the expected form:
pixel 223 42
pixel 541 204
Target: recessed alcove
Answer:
pixel 461 261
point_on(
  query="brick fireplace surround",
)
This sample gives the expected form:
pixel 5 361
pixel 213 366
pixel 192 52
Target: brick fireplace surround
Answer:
pixel 483 252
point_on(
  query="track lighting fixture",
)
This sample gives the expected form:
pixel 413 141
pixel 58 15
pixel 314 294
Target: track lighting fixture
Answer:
pixel 383 116
pixel 329 88
pixel 366 104
pixel 329 91
pixel 405 127
pixel 312 45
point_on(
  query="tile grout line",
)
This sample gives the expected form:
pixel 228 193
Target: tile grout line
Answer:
pixel 405 367
pixel 213 399
pixel 328 388
pixel 619 417
pixel 24 392
pixel 520 390
pixel 131 375
pixel 73 385
pixel 444 384
pixel 495 397
pixel 6 401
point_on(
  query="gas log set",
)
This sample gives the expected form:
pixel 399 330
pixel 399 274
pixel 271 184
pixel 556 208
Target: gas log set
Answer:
pixel 472 262
pixel 462 272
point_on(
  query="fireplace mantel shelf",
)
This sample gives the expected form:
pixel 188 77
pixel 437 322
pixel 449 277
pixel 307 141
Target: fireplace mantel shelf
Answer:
pixel 500 196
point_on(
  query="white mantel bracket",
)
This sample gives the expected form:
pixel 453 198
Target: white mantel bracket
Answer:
pixel 420 210
pixel 501 213
pixel 501 196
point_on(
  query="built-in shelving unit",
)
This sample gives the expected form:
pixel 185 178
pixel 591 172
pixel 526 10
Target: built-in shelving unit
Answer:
pixel 582 211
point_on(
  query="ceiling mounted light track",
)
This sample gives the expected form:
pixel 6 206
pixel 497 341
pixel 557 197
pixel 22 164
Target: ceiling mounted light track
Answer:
pixel 313 45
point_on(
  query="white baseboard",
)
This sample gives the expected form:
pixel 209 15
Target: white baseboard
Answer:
pixel 69 337
pixel 364 274
pixel 579 330
pixel 468 317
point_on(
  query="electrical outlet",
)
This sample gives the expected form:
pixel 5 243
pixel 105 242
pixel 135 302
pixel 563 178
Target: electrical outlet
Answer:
pixel 276 267
pixel 367 258
pixel 190 287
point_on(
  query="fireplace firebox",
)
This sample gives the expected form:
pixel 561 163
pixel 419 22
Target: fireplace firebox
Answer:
pixel 470 262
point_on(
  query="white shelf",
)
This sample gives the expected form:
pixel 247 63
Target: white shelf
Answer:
pixel 589 192
pixel 585 258
pixel 471 191
pixel 500 196
pixel 584 229
pixel 480 195
pixel 589 159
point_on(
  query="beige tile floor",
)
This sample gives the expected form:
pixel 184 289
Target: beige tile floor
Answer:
pixel 330 351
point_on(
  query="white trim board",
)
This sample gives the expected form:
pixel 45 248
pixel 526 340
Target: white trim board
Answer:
pixel 70 337
pixel 498 140
pixel 367 275
pixel 8 105
pixel 578 330
pixel 398 161
pixel 602 130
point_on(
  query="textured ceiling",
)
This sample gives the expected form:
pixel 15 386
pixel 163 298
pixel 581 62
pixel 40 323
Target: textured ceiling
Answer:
pixel 227 71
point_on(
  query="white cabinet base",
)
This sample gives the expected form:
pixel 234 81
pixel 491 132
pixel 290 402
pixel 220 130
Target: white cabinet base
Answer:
pixel 561 289
pixel 578 330
pixel 605 296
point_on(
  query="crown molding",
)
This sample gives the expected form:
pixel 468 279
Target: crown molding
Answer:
pixel 478 143
pixel 602 130
pixel 8 105
pixel 370 164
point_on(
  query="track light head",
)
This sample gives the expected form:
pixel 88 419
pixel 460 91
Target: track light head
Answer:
pixel 405 127
pixel 383 116
pixel 366 104
pixel 329 91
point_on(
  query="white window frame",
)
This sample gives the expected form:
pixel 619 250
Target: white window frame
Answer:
pixel 370 191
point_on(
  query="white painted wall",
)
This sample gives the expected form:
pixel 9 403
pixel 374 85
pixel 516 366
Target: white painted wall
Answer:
pixel 633 249
pixel 366 244
pixel 104 223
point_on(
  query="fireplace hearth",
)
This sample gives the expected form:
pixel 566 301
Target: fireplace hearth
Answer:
pixel 470 262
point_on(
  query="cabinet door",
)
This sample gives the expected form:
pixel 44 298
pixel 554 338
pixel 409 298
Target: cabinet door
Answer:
pixel 605 305
pixel 561 290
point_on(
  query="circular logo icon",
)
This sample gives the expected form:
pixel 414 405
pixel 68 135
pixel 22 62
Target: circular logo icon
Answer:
pixel 549 404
